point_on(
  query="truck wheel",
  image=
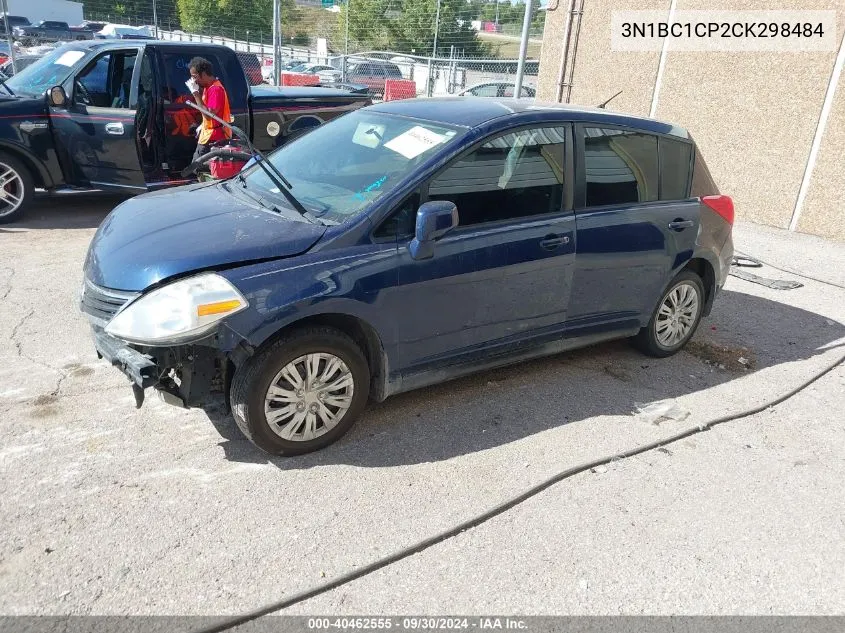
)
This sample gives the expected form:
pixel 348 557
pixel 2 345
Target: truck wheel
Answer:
pixel 16 188
pixel 302 392
pixel 675 318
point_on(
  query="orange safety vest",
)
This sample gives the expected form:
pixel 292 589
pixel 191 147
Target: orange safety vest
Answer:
pixel 210 125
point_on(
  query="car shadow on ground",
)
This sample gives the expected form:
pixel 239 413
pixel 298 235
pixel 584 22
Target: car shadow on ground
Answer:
pixel 745 333
pixel 65 211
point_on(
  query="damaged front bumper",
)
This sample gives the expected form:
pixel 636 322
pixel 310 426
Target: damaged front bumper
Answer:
pixel 184 376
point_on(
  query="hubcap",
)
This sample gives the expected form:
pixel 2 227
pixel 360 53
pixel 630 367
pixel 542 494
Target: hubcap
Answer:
pixel 309 397
pixel 677 314
pixel 11 190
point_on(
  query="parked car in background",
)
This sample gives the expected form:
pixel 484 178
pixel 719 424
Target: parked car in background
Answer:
pixel 124 32
pixel 417 241
pixel 11 21
pixel 89 26
pixel 49 31
pixel 21 61
pixel 5 54
pixel 500 89
pixel 373 74
pixel 252 67
pixel 327 74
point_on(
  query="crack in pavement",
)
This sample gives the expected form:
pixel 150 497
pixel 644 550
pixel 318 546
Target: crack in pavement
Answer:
pixel 13 337
pixel 9 281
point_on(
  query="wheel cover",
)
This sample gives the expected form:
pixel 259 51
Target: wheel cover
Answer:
pixel 11 190
pixel 309 397
pixel 677 314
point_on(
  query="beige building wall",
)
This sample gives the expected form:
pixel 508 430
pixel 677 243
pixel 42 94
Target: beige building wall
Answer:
pixel 823 212
pixel 753 115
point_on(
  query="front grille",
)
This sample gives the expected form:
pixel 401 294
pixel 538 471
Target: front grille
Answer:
pixel 101 304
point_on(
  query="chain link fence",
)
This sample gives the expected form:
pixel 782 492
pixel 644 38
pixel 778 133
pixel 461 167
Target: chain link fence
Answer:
pixel 445 46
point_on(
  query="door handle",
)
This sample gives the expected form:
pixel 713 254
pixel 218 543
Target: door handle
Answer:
pixel 116 129
pixel 680 225
pixel 551 242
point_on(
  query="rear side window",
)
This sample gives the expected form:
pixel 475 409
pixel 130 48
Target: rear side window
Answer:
pixel 702 182
pixel 621 167
pixel 675 157
pixel 176 73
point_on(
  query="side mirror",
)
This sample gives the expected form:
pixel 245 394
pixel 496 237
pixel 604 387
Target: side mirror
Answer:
pixel 434 220
pixel 58 96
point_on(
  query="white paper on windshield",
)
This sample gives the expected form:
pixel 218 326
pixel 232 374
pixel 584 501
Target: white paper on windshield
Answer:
pixel 368 134
pixel 70 58
pixel 414 142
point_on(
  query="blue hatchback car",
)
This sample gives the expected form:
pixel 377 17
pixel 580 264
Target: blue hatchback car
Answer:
pixel 406 244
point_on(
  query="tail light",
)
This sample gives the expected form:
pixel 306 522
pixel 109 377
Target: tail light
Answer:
pixel 723 205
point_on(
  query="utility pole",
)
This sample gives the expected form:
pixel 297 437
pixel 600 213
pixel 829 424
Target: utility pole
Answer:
pixel 346 47
pixel 523 50
pixel 433 52
pixel 277 47
pixel 155 21
pixel 9 38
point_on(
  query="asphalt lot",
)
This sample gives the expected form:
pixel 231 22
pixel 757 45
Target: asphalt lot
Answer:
pixel 109 510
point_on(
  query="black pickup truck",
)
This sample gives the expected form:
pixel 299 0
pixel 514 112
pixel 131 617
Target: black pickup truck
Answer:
pixel 114 115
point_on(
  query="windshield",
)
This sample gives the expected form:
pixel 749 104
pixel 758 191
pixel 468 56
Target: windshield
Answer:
pixel 340 168
pixel 50 70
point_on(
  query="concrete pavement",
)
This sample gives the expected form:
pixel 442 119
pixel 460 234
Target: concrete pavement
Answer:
pixel 109 510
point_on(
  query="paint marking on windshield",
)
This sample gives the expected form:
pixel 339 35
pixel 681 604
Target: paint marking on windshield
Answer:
pixel 372 187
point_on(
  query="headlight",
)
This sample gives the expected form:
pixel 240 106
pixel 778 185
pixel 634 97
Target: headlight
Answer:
pixel 179 311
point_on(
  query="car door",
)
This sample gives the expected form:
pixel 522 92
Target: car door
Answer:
pixel 629 239
pixel 503 276
pixel 96 129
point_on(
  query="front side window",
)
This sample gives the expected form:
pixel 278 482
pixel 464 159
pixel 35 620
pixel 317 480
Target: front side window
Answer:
pixel 620 166
pixel 106 82
pixel 340 168
pixel 515 175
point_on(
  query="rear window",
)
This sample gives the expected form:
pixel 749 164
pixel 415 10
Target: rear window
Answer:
pixel 393 71
pixel 675 158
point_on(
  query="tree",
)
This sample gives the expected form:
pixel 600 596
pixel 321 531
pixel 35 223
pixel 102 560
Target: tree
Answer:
pixel 408 26
pixel 222 16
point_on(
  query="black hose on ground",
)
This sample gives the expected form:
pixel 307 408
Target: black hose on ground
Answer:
pixel 746 260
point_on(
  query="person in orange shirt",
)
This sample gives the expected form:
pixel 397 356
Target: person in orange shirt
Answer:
pixel 208 91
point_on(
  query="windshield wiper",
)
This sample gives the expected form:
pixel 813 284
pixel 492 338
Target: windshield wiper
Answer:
pixel 9 90
pixel 269 168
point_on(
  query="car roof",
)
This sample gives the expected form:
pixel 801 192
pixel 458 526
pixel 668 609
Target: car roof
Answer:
pixel 471 112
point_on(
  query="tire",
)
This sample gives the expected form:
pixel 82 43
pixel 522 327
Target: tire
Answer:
pixel 658 341
pixel 16 194
pixel 252 381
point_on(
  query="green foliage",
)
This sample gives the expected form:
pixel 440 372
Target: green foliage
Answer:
pixel 221 16
pixel 408 26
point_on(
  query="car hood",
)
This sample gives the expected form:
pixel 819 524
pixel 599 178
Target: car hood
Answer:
pixel 199 227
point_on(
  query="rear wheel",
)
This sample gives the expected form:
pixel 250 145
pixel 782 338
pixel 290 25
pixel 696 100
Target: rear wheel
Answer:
pixel 301 393
pixel 16 188
pixel 675 318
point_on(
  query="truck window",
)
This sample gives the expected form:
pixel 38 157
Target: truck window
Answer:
pixel 106 82
pixel 176 73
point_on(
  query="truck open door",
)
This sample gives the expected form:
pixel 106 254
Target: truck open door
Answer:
pixel 96 126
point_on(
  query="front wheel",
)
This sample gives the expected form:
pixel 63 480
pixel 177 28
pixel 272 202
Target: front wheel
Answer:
pixel 16 188
pixel 675 318
pixel 301 393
